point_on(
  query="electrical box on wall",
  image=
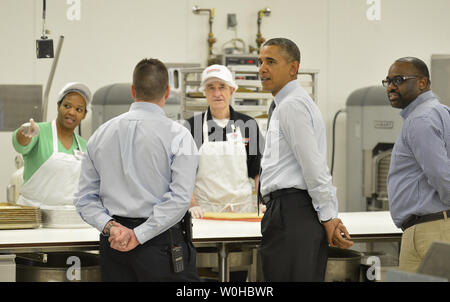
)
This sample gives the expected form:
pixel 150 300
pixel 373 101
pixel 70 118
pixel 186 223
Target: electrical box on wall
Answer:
pixel 44 49
pixel 231 20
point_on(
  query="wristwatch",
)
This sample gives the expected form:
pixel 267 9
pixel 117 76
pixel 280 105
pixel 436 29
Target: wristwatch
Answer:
pixel 323 221
pixel 108 226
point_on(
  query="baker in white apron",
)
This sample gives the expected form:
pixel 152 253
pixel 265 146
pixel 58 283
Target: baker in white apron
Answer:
pixel 55 182
pixel 227 161
pixel 222 183
pixel 55 175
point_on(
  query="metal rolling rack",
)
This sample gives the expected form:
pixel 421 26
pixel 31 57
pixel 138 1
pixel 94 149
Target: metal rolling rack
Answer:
pixel 248 99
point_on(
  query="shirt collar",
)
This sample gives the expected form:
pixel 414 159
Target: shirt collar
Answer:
pixel 232 114
pixel 423 97
pixel 147 106
pixel 288 88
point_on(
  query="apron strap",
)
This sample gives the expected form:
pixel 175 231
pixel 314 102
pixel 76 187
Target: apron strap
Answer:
pixel 78 142
pixel 205 128
pixel 55 138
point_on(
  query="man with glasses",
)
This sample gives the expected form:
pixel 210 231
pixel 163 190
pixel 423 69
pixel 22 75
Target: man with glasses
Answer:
pixel 419 173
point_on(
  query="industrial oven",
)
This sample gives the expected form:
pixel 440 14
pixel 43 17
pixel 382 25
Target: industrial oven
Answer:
pixel 372 128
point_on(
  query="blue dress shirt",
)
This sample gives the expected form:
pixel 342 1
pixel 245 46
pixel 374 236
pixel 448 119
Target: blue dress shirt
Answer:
pixel 140 164
pixel 295 151
pixel 419 173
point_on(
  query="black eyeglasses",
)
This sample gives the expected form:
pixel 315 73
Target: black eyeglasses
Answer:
pixel 397 80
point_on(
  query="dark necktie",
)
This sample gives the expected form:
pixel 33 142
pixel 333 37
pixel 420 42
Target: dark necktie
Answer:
pixel 260 199
pixel 271 108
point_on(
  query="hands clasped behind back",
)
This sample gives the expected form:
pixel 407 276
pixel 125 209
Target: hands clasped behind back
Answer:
pixel 335 230
pixel 122 238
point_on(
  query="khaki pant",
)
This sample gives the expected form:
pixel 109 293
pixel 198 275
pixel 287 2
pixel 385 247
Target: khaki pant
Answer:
pixel 416 241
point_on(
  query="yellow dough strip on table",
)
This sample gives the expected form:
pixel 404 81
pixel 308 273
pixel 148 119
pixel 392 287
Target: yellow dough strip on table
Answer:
pixel 252 217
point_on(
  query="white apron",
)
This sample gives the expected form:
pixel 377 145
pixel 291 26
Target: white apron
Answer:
pixel 222 183
pixel 54 184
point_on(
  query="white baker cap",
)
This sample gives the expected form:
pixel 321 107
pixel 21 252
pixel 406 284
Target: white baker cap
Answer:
pixel 217 72
pixel 78 87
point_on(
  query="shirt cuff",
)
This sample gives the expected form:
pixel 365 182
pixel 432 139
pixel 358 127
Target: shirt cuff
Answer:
pixel 145 232
pixel 102 221
pixel 326 213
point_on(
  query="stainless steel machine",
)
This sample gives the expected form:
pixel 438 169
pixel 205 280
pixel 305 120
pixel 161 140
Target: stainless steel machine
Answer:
pixel 440 76
pixel 110 101
pixel 372 128
pixel 115 99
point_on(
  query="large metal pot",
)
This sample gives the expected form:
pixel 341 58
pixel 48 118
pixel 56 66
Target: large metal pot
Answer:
pixel 343 265
pixel 59 267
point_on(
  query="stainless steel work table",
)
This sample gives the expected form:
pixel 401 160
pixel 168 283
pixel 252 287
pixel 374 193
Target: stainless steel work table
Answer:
pixel 362 226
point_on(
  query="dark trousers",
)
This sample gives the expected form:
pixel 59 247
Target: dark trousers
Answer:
pixel 294 245
pixel 149 262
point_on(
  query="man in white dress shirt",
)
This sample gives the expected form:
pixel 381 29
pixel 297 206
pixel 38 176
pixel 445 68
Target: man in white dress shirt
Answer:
pixel 296 185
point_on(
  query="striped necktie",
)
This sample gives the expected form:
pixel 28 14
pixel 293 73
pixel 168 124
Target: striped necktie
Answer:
pixel 260 199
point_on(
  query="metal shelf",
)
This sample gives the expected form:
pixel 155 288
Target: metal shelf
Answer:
pixel 253 95
pixel 191 79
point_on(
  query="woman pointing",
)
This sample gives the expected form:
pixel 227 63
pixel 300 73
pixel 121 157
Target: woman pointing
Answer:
pixel 52 151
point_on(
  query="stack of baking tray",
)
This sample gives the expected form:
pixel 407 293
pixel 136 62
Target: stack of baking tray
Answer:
pixel 13 216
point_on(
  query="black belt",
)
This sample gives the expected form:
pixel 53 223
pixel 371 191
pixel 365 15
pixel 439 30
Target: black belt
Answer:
pixel 414 219
pixel 278 193
pixel 134 222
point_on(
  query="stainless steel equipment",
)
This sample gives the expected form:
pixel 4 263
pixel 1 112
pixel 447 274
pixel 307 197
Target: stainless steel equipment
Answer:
pixel 7 268
pixel 434 267
pixel 110 101
pixel 372 128
pixel 436 261
pixel 239 60
pixel 238 258
pixel 440 77
pixel 58 267
pixel 343 265
pixel 249 98
pixel 115 99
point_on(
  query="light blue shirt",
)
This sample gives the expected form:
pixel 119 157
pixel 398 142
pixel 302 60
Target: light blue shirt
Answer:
pixel 140 164
pixel 296 149
pixel 419 173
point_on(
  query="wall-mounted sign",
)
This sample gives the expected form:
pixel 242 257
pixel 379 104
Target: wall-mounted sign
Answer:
pixel 374 11
pixel 74 10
